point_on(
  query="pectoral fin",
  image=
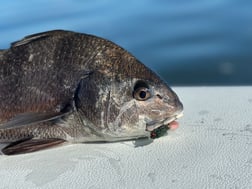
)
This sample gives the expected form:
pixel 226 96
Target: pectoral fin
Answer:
pixel 27 119
pixel 31 145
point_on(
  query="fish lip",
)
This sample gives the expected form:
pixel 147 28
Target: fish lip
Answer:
pixel 152 125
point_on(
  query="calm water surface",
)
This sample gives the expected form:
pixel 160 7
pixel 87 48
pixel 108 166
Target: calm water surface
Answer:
pixel 188 42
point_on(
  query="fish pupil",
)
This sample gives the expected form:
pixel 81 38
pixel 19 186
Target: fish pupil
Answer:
pixel 142 94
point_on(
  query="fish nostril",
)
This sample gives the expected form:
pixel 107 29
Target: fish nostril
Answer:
pixel 166 100
pixel 159 96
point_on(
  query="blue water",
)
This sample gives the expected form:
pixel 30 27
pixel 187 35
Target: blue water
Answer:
pixel 188 42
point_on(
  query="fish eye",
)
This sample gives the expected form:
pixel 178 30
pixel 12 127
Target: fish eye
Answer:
pixel 141 91
pixel 142 94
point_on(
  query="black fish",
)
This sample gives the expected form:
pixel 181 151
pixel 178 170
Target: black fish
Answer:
pixel 61 86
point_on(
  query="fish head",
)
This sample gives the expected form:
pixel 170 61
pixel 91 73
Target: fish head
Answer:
pixel 127 100
pixel 142 106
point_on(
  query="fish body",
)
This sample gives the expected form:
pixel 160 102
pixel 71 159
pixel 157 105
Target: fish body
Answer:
pixel 59 86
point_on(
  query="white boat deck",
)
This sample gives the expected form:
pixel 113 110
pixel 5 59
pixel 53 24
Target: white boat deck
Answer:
pixel 211 149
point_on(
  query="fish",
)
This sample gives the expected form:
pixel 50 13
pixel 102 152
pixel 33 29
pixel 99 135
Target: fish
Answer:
pixel 59 87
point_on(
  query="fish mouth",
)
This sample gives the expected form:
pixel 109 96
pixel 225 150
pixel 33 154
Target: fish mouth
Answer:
pixel 155 124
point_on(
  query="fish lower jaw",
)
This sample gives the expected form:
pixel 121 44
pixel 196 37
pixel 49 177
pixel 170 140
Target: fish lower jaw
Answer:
pixel 152 126
pixel 159 124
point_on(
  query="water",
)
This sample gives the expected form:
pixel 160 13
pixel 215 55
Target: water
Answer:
pixel 188 42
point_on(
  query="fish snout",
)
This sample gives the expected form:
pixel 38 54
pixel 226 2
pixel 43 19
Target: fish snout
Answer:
pixel 174 104
pixel 167 114
pixel 179 106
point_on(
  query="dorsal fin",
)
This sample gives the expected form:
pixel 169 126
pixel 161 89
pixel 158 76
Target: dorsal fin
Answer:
pixel 1 53
pixel 36 37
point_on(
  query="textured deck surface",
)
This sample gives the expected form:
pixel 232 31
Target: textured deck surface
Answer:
pixel 211 149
